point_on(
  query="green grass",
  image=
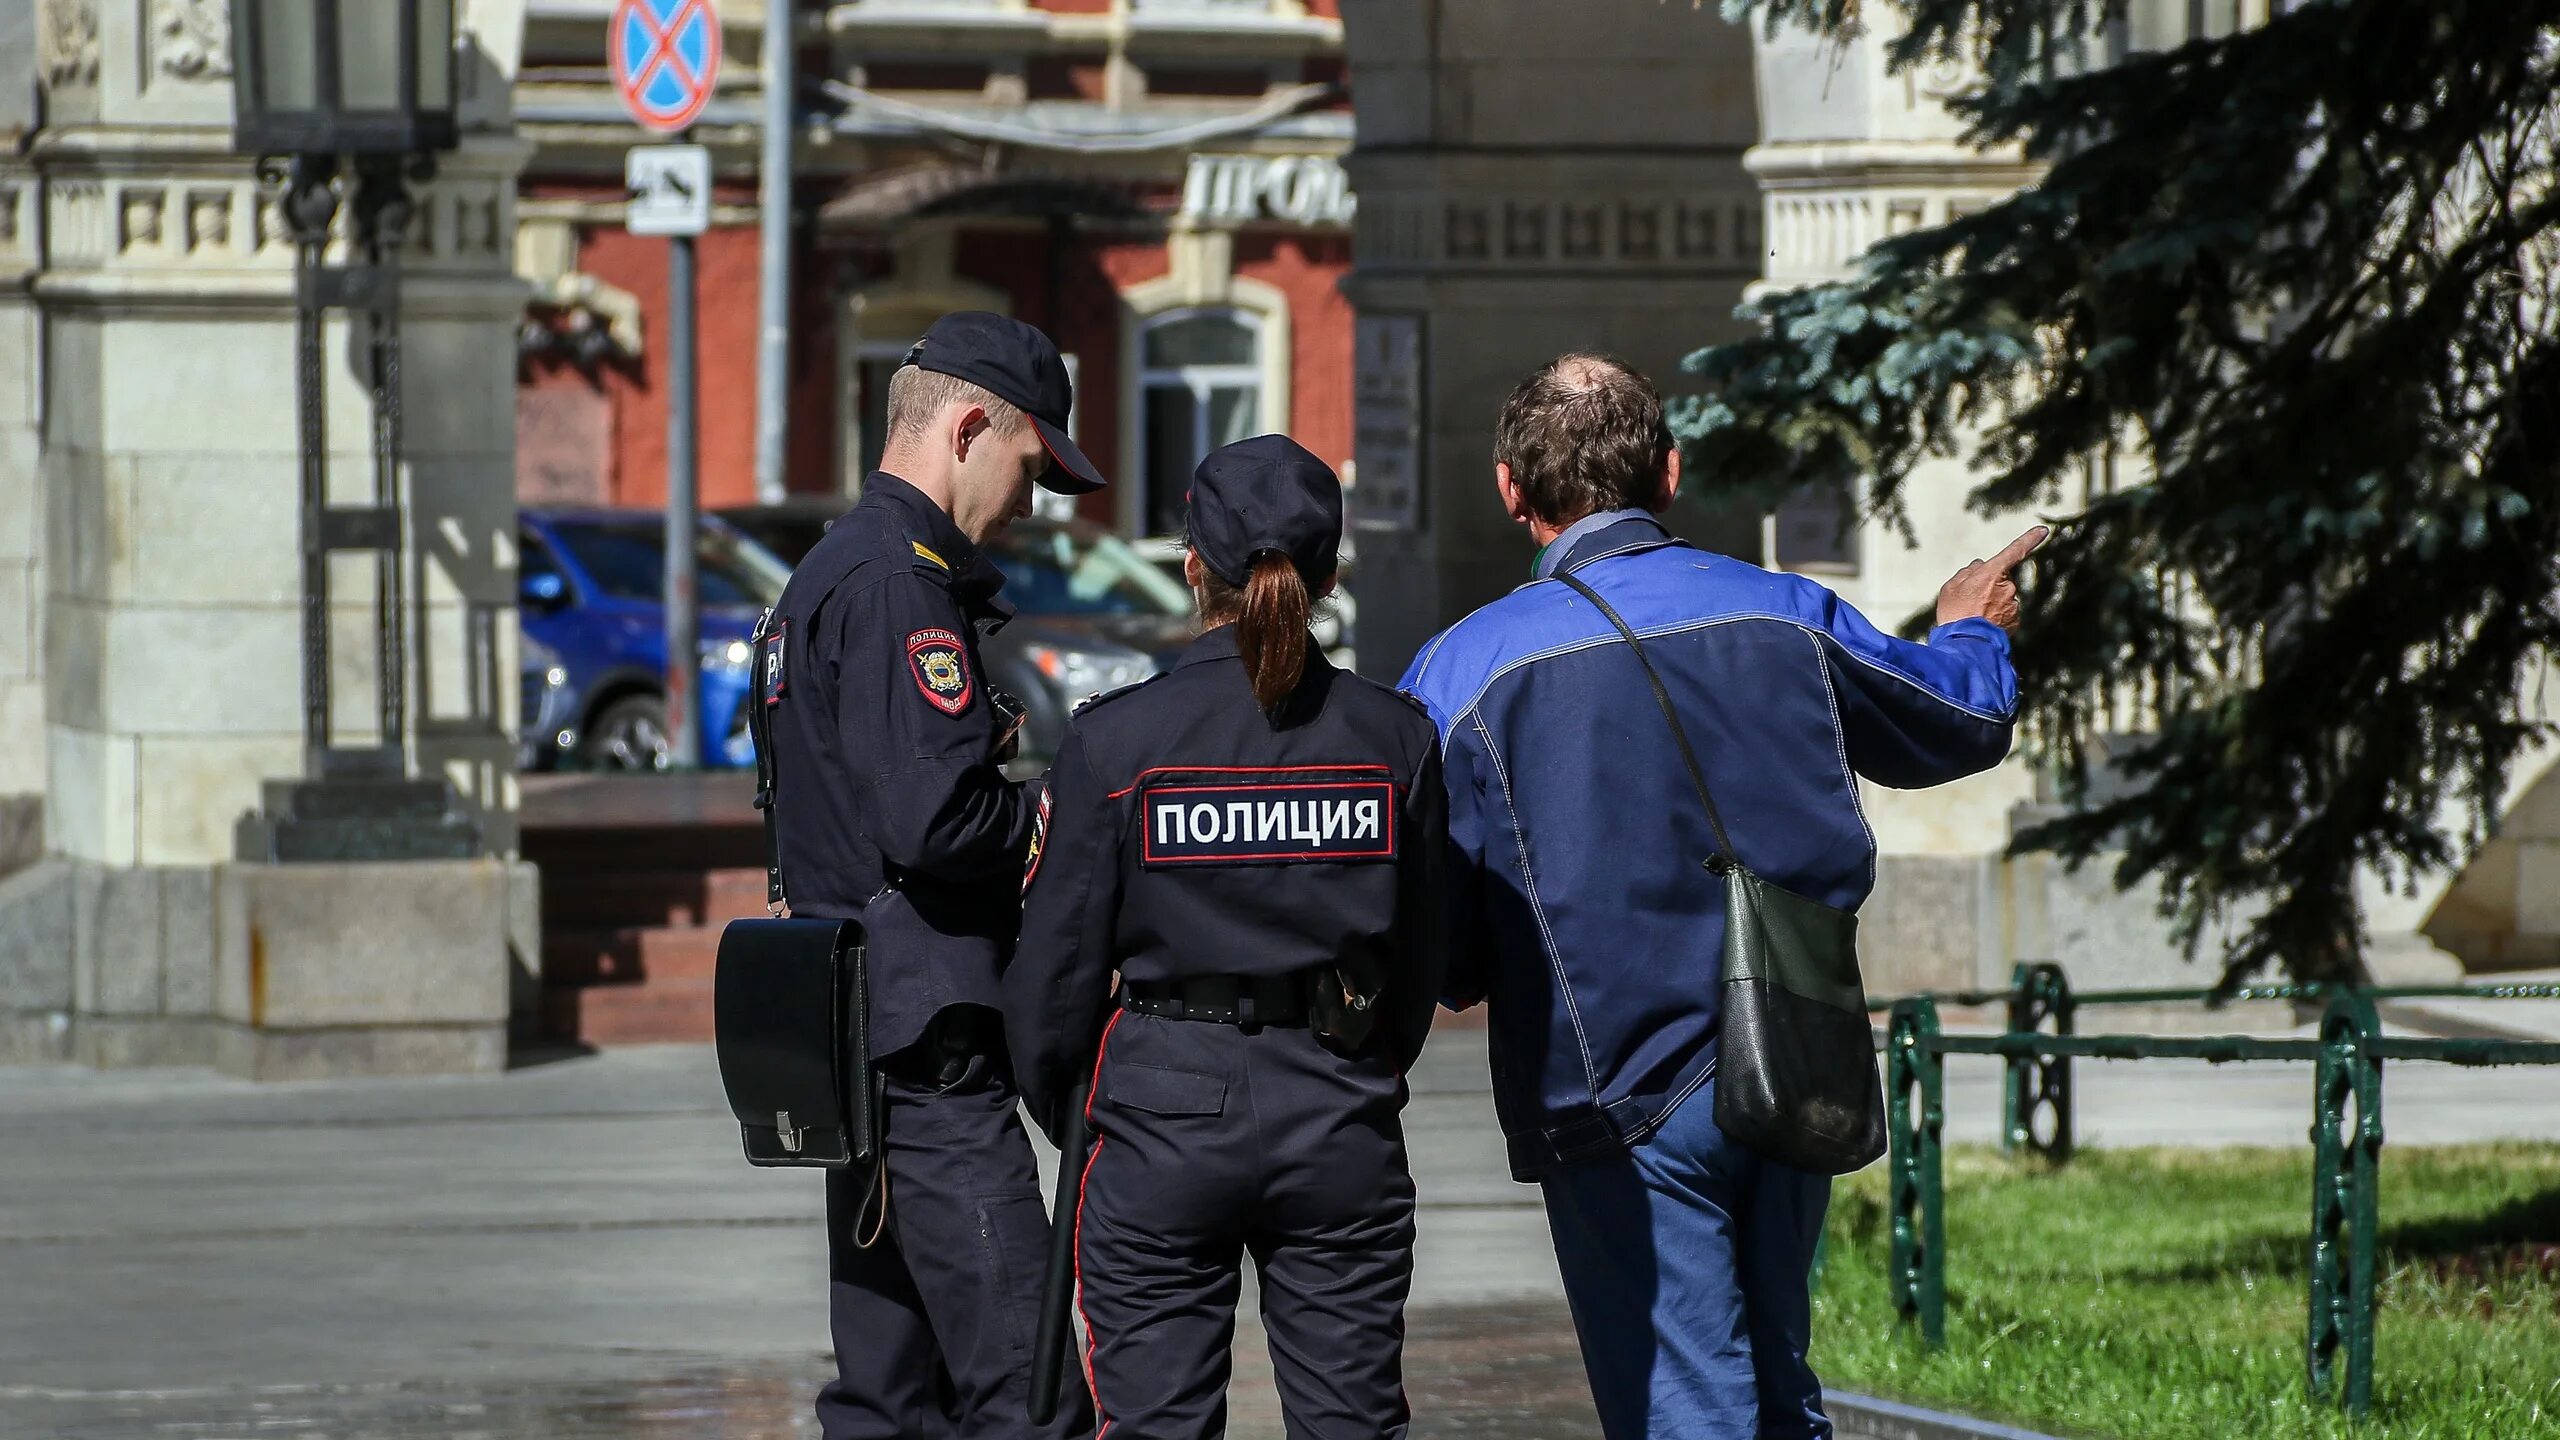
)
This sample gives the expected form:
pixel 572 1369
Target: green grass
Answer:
pixel 2162 1295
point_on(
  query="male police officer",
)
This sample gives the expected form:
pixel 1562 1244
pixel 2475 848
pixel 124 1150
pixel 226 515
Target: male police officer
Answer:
pixel 893 810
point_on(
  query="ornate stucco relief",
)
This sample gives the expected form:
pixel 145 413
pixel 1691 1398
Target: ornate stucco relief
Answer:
pixel 67 43
pixel 191 39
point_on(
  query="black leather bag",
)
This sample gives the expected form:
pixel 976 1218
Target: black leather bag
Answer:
pixel 794 1063
pixel 791 999
pixel 1795 1065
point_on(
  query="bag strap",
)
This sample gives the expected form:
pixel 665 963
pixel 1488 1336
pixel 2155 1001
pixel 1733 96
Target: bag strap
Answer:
pixel 1731 857
pixel 762 695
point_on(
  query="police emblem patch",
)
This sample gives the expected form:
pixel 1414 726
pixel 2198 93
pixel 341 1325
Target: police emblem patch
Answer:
pixel 941 669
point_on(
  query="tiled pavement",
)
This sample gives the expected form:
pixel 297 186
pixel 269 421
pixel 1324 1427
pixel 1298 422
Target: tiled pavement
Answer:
pixel 573 1250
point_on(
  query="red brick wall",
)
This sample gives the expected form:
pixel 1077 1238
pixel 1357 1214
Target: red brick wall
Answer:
pixel 1306 268
pixel 556 418
pixel 725 309
pixel 1086 323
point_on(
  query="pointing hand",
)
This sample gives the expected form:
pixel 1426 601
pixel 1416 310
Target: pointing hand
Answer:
pixel 1986 589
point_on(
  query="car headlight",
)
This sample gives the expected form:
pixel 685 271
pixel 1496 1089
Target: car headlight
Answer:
pixel 1078 673
pixel 726 655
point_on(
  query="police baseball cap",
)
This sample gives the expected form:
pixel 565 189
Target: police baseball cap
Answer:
pixel 1266 495
pixel 1020 366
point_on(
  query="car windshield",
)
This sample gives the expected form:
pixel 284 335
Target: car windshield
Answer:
pixel 789 534
pixel 627 559
pixel 1054 570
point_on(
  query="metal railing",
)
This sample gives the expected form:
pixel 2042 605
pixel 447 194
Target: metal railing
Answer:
pixel 2346 1128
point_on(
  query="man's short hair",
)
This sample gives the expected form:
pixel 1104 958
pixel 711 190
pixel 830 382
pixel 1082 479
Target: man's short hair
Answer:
pixel 916 395
pixel 1583 434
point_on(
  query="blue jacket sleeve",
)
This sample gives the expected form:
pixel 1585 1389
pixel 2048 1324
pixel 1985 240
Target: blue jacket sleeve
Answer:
pixel 1059 983
pixel 1911 714
pixel 1463 875
pixel 1462 878
pixel 1421 910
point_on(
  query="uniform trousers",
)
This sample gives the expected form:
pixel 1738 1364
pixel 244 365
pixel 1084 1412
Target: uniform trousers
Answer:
pixel 934 1321
pixel 1211 1144
pixel 1686 1261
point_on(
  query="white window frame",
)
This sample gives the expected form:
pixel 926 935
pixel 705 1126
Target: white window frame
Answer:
pixel 1200 276
pixel 1200 380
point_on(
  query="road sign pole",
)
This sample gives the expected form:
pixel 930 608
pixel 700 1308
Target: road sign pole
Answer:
pixel 684 749
pixel 665 56
pixel 773 348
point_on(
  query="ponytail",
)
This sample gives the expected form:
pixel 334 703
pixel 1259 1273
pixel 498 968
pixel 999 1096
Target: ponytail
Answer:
pixel 1270 614
pixel 1271 631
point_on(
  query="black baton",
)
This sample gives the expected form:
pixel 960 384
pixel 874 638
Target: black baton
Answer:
pixel 1058 1287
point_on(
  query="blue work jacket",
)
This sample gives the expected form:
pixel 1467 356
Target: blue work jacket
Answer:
pixel 1581 910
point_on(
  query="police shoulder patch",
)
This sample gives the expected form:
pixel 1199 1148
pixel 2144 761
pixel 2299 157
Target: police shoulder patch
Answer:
pixel 939 662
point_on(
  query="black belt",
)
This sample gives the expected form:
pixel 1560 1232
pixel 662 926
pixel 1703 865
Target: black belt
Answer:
pixel 1250 1001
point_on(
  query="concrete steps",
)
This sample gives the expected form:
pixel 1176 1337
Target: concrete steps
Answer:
pixel 653 1012
pixel 639 875
pixel 661 897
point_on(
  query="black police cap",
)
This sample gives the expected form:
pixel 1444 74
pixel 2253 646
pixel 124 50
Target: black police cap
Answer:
pixel 1263 496
pixel 1020 366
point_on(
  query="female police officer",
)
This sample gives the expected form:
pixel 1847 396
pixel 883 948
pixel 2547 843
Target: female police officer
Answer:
pixel 1252 843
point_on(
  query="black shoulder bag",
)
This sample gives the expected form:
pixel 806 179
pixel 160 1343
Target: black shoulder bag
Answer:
pixel 1795 1066
pixel 790 998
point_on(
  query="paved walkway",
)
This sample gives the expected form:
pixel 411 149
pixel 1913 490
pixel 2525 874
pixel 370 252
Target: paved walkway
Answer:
pixel 574 1250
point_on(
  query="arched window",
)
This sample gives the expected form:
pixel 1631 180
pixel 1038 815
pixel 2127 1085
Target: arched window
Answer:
pixel 1200 382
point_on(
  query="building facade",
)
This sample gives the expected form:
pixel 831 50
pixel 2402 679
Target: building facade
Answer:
pixel 1157 183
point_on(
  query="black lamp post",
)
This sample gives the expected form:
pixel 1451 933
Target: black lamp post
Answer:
pixel 349 98
pixel 343 77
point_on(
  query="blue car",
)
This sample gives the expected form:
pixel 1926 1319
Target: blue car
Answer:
pixel 592 592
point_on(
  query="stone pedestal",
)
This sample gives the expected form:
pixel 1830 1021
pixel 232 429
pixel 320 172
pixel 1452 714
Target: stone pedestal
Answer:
pixel 375 969
pixel 270 971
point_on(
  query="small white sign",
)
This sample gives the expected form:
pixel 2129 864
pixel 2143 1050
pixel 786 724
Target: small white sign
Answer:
pixel 670 189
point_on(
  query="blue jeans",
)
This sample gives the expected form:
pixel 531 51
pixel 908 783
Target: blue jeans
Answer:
pixel 1686 1261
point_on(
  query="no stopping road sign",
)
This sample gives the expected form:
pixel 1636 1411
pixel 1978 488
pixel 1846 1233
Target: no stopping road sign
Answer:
pixel 666 58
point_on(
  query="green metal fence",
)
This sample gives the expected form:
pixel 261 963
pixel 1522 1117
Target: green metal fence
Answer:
pixel 2038 1048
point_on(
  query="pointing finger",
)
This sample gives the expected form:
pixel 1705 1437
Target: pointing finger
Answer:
pixel 2020 548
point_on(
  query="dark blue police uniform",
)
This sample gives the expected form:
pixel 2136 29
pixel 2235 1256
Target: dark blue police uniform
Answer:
pixel 892 808
pixel 1254 879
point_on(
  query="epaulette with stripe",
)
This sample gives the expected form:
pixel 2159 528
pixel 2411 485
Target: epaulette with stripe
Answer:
pixel 1105 697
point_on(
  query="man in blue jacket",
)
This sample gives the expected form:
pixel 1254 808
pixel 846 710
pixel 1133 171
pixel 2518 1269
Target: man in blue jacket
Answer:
pixel 1582 915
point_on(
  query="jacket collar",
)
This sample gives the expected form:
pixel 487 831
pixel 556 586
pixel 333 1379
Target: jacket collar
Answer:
pixel 974 579
pixel 1623 530
pixel 1551 556
pixel 1314 683
pixel 1218 644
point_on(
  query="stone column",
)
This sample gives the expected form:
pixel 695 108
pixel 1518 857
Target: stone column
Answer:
pixel 21 514
pixel 172 630
pixel 1533 178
